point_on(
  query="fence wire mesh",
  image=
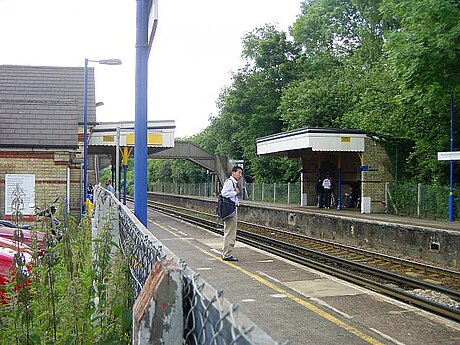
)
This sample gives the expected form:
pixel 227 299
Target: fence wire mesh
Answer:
pixel 403 198
pixel 420 201
pixel 208 317
pixel 211 319
pixel 285 193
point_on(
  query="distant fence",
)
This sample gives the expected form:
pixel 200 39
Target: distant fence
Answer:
pixel 402 198
pixel 283 193
pixel 420 201
pixel 208 317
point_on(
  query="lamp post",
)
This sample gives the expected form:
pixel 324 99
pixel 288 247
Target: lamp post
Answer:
pixel 85 119
pixel 451 170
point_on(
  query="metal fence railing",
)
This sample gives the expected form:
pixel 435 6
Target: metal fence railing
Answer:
pixel 401 198
pixel 286 193
pixel 196 189
pixel 208 317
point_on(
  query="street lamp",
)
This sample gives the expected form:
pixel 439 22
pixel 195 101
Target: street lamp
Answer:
pixel 111 62
pixel 451 170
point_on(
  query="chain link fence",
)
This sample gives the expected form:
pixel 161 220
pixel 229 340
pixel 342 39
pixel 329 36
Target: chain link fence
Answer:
pixel 196 189
pixel 208 317
pixel 420 201
pixel 283 193
pixel 402 198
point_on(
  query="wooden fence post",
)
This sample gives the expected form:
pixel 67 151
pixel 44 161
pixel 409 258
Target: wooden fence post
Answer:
pixel 158 311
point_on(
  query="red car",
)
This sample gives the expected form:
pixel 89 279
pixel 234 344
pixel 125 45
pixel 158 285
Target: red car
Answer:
pixel 29 236
pixel 8 250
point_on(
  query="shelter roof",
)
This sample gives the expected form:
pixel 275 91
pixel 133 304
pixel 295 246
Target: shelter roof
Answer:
pixel 160 134
pixel 316 139
pixel 41 106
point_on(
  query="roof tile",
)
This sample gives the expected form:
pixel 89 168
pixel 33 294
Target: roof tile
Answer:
pixel 42 106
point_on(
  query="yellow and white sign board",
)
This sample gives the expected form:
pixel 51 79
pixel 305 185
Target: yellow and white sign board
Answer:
pixel 159 134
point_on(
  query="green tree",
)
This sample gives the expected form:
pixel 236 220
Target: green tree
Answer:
pixel 319 99
pixel 340 28
pixel 424 55
pixel 248 108
pixel 385 66
pixel 341 41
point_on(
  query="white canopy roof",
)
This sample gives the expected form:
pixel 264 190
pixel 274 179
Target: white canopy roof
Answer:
pixel 316 139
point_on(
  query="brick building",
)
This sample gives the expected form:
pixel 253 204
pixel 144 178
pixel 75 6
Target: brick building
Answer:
pixel 41 132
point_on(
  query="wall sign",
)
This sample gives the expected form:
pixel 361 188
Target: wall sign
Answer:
pixel 19 193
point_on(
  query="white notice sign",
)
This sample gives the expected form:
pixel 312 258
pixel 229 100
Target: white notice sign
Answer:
pixel 19 193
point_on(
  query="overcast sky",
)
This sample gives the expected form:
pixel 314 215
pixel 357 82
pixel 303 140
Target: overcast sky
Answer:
pixel 197 45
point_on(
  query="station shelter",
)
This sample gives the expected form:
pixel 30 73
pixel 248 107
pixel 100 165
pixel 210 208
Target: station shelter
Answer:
pixel 114 141
pixel 349 156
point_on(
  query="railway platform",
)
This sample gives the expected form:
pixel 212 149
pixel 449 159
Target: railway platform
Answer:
pixel 430 241
pixel 377 217
pixel 297 304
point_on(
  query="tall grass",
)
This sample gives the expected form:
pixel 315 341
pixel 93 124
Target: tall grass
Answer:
pixel 72 295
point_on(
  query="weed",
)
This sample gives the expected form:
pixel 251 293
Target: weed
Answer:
pixel 77 292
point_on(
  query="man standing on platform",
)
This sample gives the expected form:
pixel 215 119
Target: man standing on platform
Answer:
pixel 230 190
pixel 319 191
pixel 108 185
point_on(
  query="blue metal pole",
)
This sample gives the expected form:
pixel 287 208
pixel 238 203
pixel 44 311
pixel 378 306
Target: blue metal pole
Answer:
pixel 451 189
pixel 85 137
pixel 243 184
pixel 140 130
pixel 339 189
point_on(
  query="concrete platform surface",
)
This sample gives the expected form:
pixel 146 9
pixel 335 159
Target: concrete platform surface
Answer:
pixel 297 304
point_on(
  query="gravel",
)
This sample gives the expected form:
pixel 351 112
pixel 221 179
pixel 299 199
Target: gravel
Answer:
pixel 437 297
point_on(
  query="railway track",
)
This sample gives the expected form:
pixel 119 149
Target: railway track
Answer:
pixel 386 274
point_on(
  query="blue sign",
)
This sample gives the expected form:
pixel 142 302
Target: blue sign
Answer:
pixel 364 168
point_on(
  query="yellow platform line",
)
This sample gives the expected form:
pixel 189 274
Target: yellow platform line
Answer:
pixel 289 295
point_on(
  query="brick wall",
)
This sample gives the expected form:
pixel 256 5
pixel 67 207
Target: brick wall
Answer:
pixel 50 170
pixel 373 181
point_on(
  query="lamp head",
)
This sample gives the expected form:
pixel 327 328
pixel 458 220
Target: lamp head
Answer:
pixel 110 62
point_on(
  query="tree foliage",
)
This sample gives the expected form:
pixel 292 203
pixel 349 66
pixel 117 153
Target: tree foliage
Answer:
pixel 249 108
pixel 385 66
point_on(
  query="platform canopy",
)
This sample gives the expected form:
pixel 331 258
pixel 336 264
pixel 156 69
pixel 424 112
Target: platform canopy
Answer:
pixel 103 137
pixel 316 139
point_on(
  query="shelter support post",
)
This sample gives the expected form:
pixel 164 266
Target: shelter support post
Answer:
pixel 125 157
pixel 303 192
pixel 339 182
